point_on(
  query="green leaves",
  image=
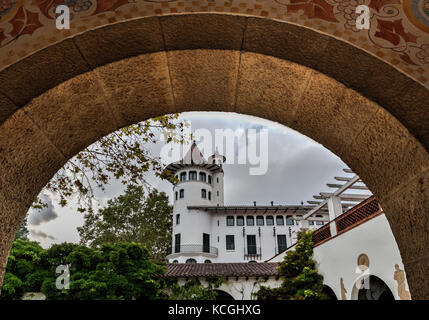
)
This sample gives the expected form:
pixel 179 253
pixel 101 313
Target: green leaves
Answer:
pixel 301 281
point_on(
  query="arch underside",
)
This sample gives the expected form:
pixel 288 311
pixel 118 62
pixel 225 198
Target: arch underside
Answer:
pixel 67 96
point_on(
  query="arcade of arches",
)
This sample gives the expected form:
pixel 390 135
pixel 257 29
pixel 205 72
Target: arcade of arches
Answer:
pixel 59 99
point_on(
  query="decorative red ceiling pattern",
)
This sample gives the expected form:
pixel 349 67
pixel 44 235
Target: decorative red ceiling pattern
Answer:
pixel 399 32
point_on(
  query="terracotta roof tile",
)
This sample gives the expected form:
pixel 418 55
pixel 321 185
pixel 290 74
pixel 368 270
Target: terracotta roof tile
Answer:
pixel 176 270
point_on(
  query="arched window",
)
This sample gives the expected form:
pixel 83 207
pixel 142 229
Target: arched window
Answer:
pixel 207 261
pixel 175 261
pixel 203 193
pixel 280 221
pixel 270 220
pixel 289 221
pixel 192 175
pixel 183 176
pixel 310 222
pixel 191 260
pixel 259 220
pixel 182 193
pixel 250 221
pixel 230 221
pixel 202 176
pixel 177 219
pixel 240 221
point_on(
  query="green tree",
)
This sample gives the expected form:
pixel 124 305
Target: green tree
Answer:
pixel 123 155
pixel 22 231
pixel 193 289
pixel 132 217
pixel 301 281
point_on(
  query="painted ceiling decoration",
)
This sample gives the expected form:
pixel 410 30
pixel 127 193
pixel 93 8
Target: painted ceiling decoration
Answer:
pixel 399 32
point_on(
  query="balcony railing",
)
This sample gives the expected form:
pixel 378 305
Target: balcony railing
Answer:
pixel 357 215
pixel 252 253
pixel 195 248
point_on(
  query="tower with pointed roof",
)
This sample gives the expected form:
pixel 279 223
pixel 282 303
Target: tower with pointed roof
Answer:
pixel 199 182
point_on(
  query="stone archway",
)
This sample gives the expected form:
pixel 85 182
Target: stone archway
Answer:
pixel 364 112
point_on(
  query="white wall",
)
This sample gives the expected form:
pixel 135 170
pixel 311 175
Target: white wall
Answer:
pixel 337 258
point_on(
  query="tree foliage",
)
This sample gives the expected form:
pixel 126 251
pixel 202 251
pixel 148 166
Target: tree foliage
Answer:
pixel 301 281
pixel 132 217
pixel 123 155
pixel 120 271
pixel 22 232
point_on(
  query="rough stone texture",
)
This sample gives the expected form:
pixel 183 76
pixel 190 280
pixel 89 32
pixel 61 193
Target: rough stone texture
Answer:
pixel 43 70
pixel 74 115
pixel 203 31
pixel 7 108
pixel 386 155
pixel 120 41
pixel 269 87
pixel 417 273
pixel 204 80
pixel 284 40
pixel 138 88
pixel 408 214
pixel 332 114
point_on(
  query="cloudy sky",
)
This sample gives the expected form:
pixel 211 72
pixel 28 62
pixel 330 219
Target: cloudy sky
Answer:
pixel 297 168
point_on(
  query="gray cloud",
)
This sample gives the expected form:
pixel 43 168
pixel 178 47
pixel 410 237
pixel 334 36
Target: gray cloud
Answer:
pixel 38 217
pixel 40 234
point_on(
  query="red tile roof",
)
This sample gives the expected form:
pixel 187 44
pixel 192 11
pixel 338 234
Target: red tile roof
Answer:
pixel 176 270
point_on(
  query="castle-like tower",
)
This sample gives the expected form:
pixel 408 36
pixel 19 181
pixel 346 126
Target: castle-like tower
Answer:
pixel 199 182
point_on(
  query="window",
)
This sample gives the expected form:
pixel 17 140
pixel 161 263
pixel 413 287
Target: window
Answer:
pixel 183 176
pixel 240 221
pixel 206 242
pixel 210 179
pixel 182 193
pixel 230 221
pixel 319 223
pixel 289 220
pixel 310 222
pixel 203 193
pixel 230 243
pixel 210 195
pixel 177 219
pixel 280 221
pixel 192 175
pixel 281 242
pixel 190 260
pixel 259 220
pixel 217 193
pixel 250 221
pixel 175 261
pixel 270 220
pixel 251 244
pixel 176 195
pixel 177 243
pixel 202 176
pixel 207 261
pixel 217 180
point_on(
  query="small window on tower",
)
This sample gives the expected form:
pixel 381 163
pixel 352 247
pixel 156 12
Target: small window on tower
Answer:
pixel 230 243
pixel 203 193
pixel 210 195
pixel 250 221
pixel 289 221
pixel 217 180
pixel 182 193
pixel 176 195
pixel 183 176
pixel 230 221
pixel 202 176
pixel 192 175
pixel 177 219
pixel 280 221
pixel 240 221
pixel 259 220
pixel 270 220
pixel 217 193
pixel 210 179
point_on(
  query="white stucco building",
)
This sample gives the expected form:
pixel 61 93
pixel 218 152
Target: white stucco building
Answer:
pixel 355 249
pixel 207 231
